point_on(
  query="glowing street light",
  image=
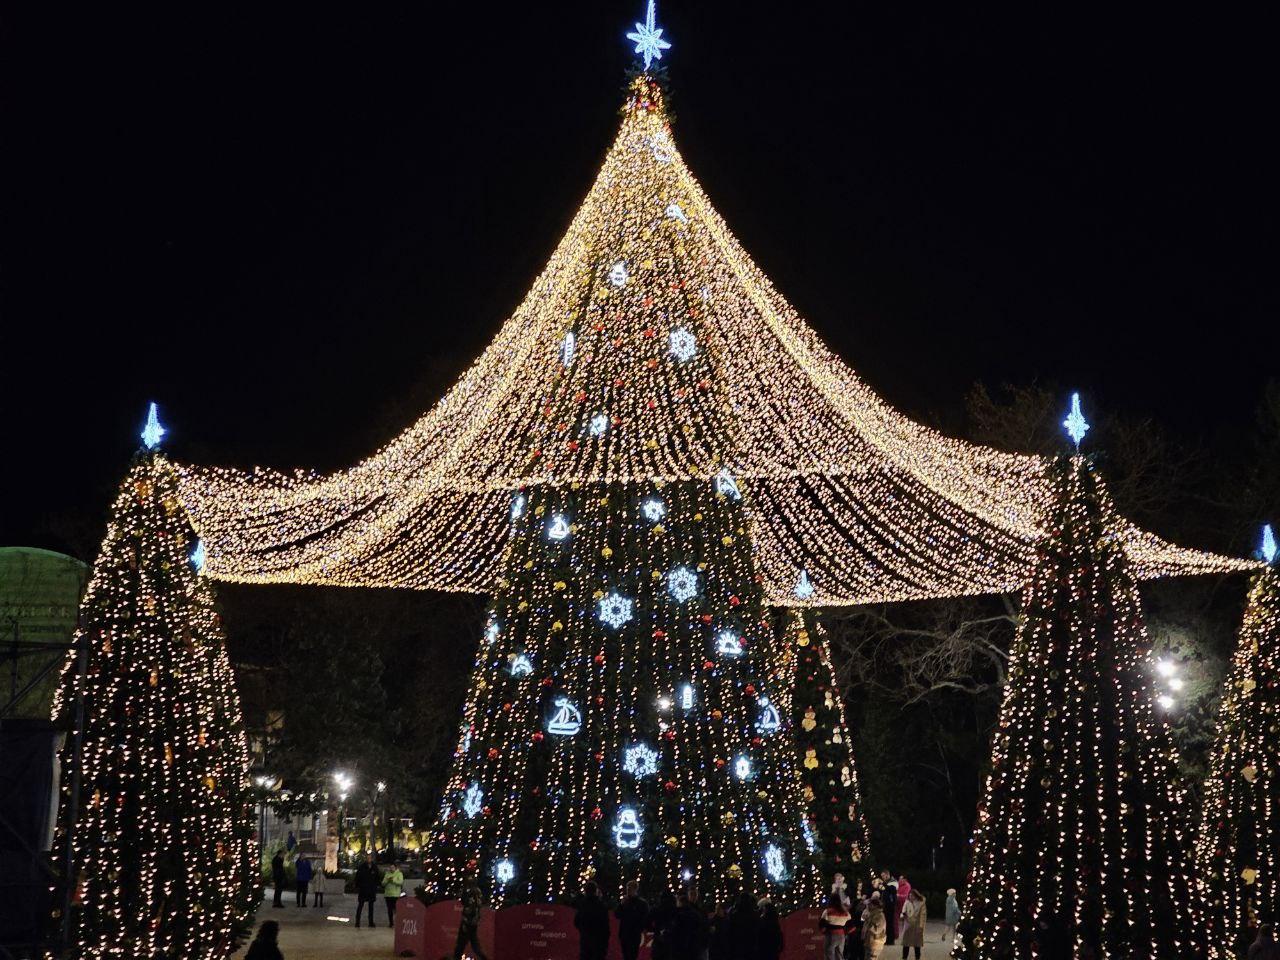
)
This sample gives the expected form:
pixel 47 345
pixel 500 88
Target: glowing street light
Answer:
pixel 1166 668
pixel 1166 701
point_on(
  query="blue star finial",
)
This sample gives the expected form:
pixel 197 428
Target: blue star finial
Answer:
pixel 1077 426
pixel 152 432
pixel 648 38
pixel 1268 550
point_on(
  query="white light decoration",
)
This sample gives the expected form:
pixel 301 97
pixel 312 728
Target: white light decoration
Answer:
pixel 568 347
pixel 618 274
pixel 1268 549
pixel 473 800
pixel 804 589
pixel 1166 668
pixel 627 830
pixel 152 432
pixel 1166 701
pixel 1075 423
pixel 686 697
pixel 614 610
pixel 504 871
pixel 465 746
pixel 558 528
pixel 728 644
pixel 566 721
pixel 810 841
pixel 682 584
pixel 775 864
pixel 518 503
pixel 769 720
pixel 599 424
pixel 742 768
pixel 653 510
pixel 1176 684
pixel 491 631
pixel 198 557
pixel 660 145
pixel 726 485
pixel 647 37
pixel 521 665
pixel 676 212
pixel 683 344
pixel 640 760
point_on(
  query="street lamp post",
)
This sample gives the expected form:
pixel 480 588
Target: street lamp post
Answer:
pixel 344 784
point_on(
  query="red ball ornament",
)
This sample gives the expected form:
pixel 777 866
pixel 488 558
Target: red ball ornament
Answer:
pixel 598 658
pixel 734 601
pixel 493 753
pixel 596 813
pixel 537 736
pixel 670 786
pixel 707 665
pixel 751 689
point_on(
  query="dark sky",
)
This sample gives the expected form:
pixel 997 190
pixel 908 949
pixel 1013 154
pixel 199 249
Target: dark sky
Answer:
pixel 293 228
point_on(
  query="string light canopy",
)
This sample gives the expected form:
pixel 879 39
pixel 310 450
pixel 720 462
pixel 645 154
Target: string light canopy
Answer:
pixel 866 504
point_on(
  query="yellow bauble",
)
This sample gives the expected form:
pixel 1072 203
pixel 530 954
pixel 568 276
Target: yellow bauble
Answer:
pixel 606 552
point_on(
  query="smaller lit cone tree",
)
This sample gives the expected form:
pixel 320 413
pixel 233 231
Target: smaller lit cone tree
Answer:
pixel 160 829
pixel 1079 825
pixel 1238 848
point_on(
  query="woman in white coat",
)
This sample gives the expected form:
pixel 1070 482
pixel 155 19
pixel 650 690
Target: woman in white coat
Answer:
pixel 319 885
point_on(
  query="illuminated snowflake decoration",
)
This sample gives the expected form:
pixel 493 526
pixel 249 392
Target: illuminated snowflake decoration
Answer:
pixel 742 768
pixel 614 610
pixel 683 344
pixel 674 212
pixel 728 644
pixel 647 37
pixel 1268 549
pixel 682 583
pixel 726 485
pixel 152 431
pixel 653 510
pixel 521 665
pixel 640 760
pixel 803 589
pixel 769 721
pixel 618 274
pixel 504 871
pixel 1075 423
pixel 558 528
pixel 568 347
pixel 473 800
pixel 599 424
pixel 518 503
pixel 198 557
pixel 774 864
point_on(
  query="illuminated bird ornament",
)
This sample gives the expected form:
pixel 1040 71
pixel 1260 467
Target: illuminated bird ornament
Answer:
pixel 1077 426
pixel 1268 549
pixel 152 431
pixel 647 37
pixel 804 589
pixel 473 800
pixel 567 719
pixel 198 557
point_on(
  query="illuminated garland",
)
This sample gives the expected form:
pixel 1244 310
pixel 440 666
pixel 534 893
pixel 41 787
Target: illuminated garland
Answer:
pixel 1238 847
pixel 1078 827
pixel 646 284
pixel 163 852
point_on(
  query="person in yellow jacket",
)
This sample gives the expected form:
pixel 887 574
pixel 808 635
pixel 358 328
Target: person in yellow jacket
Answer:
pixel 392 888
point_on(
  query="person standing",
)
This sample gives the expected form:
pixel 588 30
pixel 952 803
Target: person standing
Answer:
pixel 718 948
pixel 301 880
pixel 769 941
pixel 691 934
pixel 277 879
pixel 904 894
pixel 832 921
pixel 913 917
pixel 392 887
pixel 319 884
pixel 874 928
pixel 264 946
pixel 838 886
pixel 633 916
pixel 368 880
pixel 743 921
pixel 1265 946
pixel 469 923
pixel 952 916
pixel 889 904
pixel 591 918
pixel 661 922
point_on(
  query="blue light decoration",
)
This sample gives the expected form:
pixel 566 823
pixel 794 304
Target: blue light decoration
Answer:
pixel 683 344
pixel 618 274
pixel 568 347
pixel 491 631
pixel 742 768
pixel 775 865
pixel 566 721
pixel 726 485
pixel 599 424
pixel 769 721
pixel 810 841
pixel 1075 423
pixel 640 760
pixel 198 557
pixel 152 432
pixel 676 212
pixel 627 830
pixel 647 37
pixel 521 665
pixel 558 528
pixel 803 589
pixel 615 610
pixel 686 697
pixel 465 746
pixel 728 644
pixel 682 583
pixel 504 871
pixel 473 800
pixel 1268 549
pixel 518 503
pixel 653 510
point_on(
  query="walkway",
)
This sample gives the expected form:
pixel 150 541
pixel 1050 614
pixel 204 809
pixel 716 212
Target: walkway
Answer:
pixel 311 933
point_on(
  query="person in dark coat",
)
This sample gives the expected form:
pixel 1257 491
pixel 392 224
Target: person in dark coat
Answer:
pixel 889 903
pixel 277 878
pixel 633 917
pixel 302 876
pixel 264 946
pixel 742 928
pixel 661 921
pixel 719 922
pixel 1265 946
pixel 592 921
pixel 769 942
pixel 691 933
pixel 368 886
pixel 469 923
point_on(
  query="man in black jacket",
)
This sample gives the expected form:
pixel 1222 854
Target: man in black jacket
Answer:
pixel 691 933
pixel 368 886
pixel 633 916
pixel 592 921
pixel 277 878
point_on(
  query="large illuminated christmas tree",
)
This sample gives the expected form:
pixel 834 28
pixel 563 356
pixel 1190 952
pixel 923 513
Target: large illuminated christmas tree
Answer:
pixel 1238 847
pixel 158 820
pixel 1079 827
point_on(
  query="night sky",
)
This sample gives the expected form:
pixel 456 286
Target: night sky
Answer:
pixel 293 229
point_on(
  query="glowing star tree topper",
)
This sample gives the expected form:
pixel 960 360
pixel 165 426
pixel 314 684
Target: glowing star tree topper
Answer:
pixel 1268 549
pixel 1077 426
pixel 647 37
pixel 153 431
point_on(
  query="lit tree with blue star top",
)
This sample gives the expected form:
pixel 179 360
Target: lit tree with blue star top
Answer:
pixel 622 717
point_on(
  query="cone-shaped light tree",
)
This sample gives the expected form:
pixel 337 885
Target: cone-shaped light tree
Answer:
pixel 155 802
pixel 1079 827
pixel 1238 847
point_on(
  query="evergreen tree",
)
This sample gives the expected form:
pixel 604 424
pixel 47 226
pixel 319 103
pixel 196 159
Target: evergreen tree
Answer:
pixel 836 825
pixel 162 848
pixel 1238 847
pixel 1078 830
